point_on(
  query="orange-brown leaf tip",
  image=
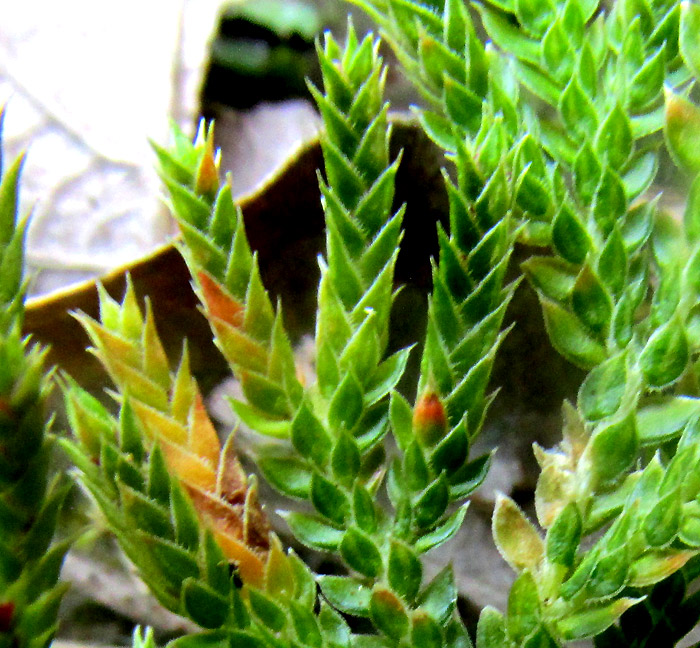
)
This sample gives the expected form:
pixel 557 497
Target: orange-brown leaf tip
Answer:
pixel 207 181
pixel 251 566
pixel 219 302
pixel 190 470
pixel 256 526
pixel 429 418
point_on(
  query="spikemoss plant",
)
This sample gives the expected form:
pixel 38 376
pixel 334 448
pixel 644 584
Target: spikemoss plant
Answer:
pixel 553 134
pixel 29 503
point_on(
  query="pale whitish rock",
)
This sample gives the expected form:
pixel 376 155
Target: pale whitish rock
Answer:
pixel 88 83
pixel 120 590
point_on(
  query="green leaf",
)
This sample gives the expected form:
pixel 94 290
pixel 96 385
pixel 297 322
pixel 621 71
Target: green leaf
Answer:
pixel 462 105
pixel 361 354
pixel 640 173
pixel 689 532
pixel 665 356
pixel 431 503
pixel 569 236
pixel 438 129
pixel 591 301
pixel 603 389
pixel 203 605
pixel 209 639
pixel 401 417
pixel 333 627
pixel 683 132
pixel 577 111
pixel 663 521
pixel 443 532
pixel 614 138
pixel 570 337
pixel 534 15
pixel 539 83
pixel 451 453
pixel 469 477
pixel 361 553
pixel 305 625
pixel 349 595
pixel 404 571
pixel 690 36
pixel 523 607
pixel 364 509
pixel 9 195
pixel 609 574
pixel 240 639
pixel 665 419
pixel 329 500
pixel 426 633
pixel 415 467
pixel 666 296
pixel 610 202
pixel 260 422
pixel 185 519
pixel 345 459
pixel 648 82
pixel 290 476
pixel 612 264
pixel 386 376
pixel 613 449
pixel 313 532
pixel 268 612
pixel 564 536
pixel 507 36
pixel 174 562
pixel 388 614
pixel 491 631
pixel 439 598
pixel 557 52
pixel 691 275
pixel 309 437
pixel 347 404
pixel 553 277
pixel 593 621
pixel 264 394
pixel 587 173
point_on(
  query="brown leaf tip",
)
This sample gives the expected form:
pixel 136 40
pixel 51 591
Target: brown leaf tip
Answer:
pixel 219 303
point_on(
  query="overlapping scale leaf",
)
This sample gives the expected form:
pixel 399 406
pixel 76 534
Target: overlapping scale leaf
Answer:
pixel 363 236
pixel 30 501
pixel 247 328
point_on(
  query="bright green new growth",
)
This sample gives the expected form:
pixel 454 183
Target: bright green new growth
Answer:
pixel 29 505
